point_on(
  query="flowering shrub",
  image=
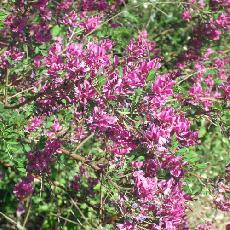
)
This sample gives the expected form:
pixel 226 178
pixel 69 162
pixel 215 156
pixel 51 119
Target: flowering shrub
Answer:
pixel 120 120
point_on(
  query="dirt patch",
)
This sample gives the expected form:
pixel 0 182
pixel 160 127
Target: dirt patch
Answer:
pixel 202 210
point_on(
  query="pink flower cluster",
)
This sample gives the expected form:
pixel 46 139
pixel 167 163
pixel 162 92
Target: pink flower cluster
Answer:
pixel 162 199
pixel 39 161
pixel 13 54
pixel 34 123
pixel 204 31
pixel 24 188
pixel 113 98
pixel 38 164
pixel 204 91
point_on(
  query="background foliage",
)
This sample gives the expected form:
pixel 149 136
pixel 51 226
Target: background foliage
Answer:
pixel 54 205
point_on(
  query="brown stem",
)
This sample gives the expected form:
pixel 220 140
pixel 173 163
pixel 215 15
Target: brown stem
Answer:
pixel 101 199
pixel 80 158
pixel 6 85
pixel 33 98
pixel 27 101
pixel 5 164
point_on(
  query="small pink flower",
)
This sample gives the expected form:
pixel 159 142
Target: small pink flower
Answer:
pixel 186 15
pixel 34 123
pixel 56 126
pixel 37 61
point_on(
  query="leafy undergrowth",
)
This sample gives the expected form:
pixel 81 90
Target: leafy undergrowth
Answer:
pixel 114 115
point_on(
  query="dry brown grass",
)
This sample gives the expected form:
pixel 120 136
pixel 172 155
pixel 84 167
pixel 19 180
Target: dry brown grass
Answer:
pixel 203 210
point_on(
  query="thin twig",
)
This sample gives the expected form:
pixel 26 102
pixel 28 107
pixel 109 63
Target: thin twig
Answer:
pixel 77 207
pixel 80 158
pixel 27 216
pixel 66 219
pixel 101 199
pixel 6 85
pixel 83 142
pixel 21 92
pixel 32 98
pixel 19 226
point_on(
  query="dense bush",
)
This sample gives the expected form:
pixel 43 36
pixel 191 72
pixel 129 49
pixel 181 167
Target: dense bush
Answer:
pixel 114 114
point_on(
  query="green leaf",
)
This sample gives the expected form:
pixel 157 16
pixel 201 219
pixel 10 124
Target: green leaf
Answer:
pixel 83 206
pixel 23 170
pixel 2 17
pixel 151 76
pixel 202 132
pixel 101 81
pixel 55 31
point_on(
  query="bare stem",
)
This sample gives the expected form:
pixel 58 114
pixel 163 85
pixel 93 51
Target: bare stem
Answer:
pixel 80 158
pixel 19 226
pixel 6 86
